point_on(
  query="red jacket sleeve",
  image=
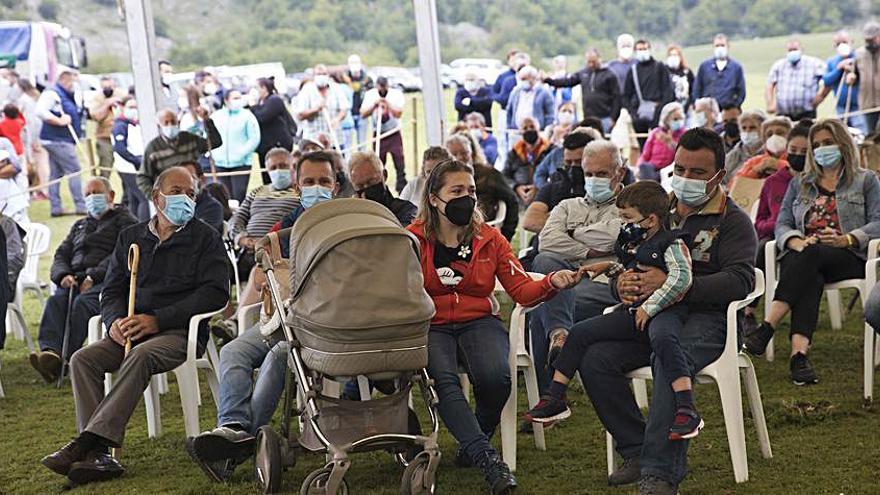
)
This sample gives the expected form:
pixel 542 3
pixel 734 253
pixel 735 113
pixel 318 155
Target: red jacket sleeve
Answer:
pixel 516 282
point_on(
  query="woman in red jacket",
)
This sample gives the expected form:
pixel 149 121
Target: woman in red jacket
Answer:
pixel 461 257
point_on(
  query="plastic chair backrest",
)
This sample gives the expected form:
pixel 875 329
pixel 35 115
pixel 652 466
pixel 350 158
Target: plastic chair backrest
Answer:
pixel 498 221
pixel 37 243
pixel 666 177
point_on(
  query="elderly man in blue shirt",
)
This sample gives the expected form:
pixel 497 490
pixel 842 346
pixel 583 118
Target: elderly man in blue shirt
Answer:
pixel 838 66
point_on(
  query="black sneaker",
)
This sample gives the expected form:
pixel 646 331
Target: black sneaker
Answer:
pixel 802 372
pixel 756 341
pixel 628 473
pixel 497 473
pixel 652 485
pixel 548 409
pixel 218 471
pixel 98 466
pixel 687 424
pixel 223 443
pixel 557 341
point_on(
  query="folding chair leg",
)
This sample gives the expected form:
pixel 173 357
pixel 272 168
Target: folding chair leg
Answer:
pixel 609 449
pixel 531 379
pixel 508 419
pixel 731 403
pixel 640 390
pixel 23 334
pixel 869 360
pixel 151 404
pixel 757 407
pixel 834 311
pixel 769 352
pixel 163 383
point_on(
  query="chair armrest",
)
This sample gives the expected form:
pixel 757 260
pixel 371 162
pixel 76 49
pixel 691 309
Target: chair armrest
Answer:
pixel 873 247
pixel 193 337
pixel 611 309
pixel 247 316
pixel 735 306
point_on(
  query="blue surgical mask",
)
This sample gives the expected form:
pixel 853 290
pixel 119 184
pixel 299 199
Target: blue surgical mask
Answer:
pixel 676 125
pixel 793 56
pixel 280 178
pixel 827 156
pixel 96 204
pixel 692 192
pixel 170 131
pixel 643 55
pixel 598 189
pixel 179 208
pixel 312 195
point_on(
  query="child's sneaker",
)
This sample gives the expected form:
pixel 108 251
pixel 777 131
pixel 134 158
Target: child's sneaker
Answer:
pixel 687 424
pixel 548 410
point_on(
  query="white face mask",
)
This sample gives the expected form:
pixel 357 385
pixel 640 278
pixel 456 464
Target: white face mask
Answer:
pixel 183 102
pixel 721 52
pixel 751 139
pixel 673 61
pixel 236 104
pixel 844 49
pixel 566 118
pixel 476 134
pixel 322 80
pixel 471 86
pixel 355 68
pixel 625 52
pixel 776 144
pixel 643 55
pixel 211 88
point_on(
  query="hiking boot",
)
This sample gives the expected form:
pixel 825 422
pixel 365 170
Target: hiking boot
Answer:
pixel 687 424
pixel 223 443
pixel 50 363
pixel 557 341
pixel 497 473
pixel 757 340
pixel 218 471
pixel 652 485
pixel 34 359
pixel 61 460
pixel 548 409
pixel 802 372
pixel 98 466
pixel 628 473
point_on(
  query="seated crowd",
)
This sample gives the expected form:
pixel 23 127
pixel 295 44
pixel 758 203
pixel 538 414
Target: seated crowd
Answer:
pixel 670 260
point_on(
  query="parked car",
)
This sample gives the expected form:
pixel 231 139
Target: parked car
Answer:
pixel 398 77
pixel 486 69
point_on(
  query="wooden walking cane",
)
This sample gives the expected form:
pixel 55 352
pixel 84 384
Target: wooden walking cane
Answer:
pixel 134 257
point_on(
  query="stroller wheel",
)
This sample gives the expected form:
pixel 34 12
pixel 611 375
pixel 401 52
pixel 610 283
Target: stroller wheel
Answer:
pixel 416 479
pixel 267 461
pixel 316 483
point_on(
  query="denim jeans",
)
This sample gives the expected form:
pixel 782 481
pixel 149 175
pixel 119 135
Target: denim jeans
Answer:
pixel 603 370
pixel 236 184
pixel 242 401
pixel 480 348
pixel 85 305
pixel 585 300
pixel 871 120
pixel 133 198
pixel 872 309
pixel 647 171
pixel 63 161
pixel 360 126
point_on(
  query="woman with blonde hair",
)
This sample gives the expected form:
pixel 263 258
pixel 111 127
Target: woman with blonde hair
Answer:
pixel 461 257
pixel 828 216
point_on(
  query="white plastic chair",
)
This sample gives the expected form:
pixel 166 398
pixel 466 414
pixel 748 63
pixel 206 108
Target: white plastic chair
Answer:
pixel 501 212
pixel 832 292
pixel 725 372
pixel 37 242
pixel 666 174
pixel 248 316
pixel 229 247
pixel 187 378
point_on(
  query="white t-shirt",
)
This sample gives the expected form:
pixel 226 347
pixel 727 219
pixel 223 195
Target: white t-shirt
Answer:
pixel 394 97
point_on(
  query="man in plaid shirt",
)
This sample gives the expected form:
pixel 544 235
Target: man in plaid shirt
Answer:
pixel 793 84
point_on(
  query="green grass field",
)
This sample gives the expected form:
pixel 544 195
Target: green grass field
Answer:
pixel 824 441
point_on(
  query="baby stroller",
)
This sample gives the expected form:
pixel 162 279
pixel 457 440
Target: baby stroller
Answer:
pixel 357 308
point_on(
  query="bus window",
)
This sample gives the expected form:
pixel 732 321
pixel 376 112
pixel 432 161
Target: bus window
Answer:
pixel 63 52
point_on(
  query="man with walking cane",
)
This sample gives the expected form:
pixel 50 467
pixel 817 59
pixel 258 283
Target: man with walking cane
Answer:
pixel 62 126
pixel 386 104
pixel 79 269
pixel 838 68
pixel 181 272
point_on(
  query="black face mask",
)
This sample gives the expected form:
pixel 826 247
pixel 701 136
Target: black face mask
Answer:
pixel 530 136
pixel 871 45
pixel 108 92
pixel 796 162
pixel 731 129
pixel 377 192
pixel 383 92
pixel 576 174
pixel 460 210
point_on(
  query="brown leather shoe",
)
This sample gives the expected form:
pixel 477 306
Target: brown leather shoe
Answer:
pixel 50 363
pixel 61 461
pixel 34 359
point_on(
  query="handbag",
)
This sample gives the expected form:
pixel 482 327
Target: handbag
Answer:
pixel 281 268
pixel 647 109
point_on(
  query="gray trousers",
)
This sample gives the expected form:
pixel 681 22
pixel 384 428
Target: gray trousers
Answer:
pixel 104 147
pixel 107 416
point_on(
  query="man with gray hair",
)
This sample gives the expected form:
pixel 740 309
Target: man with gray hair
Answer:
pixel 79 266
pixel 706 114
pixel 182 273
pixel 529 100
pixel 837 70
pixel 368 178
pixel 579 230
pixel 867 74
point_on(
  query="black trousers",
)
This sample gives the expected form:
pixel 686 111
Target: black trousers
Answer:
pixel 803 276
pixel 85 306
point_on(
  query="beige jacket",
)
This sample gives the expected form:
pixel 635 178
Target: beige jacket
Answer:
pixel 578 225
pixel 868 69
